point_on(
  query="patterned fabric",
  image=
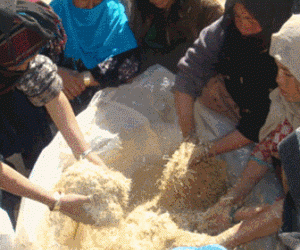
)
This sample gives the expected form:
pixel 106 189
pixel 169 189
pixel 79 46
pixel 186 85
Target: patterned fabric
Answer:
pixel 26 30
pixel 118 70
pixel 41 83
pixel 268 148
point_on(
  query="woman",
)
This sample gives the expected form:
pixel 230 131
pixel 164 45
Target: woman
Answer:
pixel 227 66
pixel 100 51
pixel 166 28
pixel 34 24
pixel 283 119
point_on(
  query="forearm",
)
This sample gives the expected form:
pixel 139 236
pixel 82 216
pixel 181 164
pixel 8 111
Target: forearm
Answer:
pixel 63 116
pixel 13 182
pixel 264 224
pixel 230 142
pixel 184 104
pixel 251 175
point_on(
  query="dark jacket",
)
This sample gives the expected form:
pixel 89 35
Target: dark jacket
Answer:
pixel 250 73
pixel 168 34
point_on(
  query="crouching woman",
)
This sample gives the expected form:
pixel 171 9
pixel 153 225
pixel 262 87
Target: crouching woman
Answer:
pixel 27 27
pixel 282 120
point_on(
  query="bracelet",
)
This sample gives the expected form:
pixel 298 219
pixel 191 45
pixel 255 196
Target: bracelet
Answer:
pixel 84 154
pixel 57 204
pixel 232 214
pixel 87 78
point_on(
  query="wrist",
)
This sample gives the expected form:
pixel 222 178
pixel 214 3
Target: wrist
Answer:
pixel 87 78
pixel 55 203
pixel 84 154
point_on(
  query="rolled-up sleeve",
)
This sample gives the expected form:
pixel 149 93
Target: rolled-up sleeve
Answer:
pixel 197 66
pixel 41 83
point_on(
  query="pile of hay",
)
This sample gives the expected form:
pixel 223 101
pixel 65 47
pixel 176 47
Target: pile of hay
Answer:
pixel 85 178
pixel 164 215
pixel 195 185
pixel 146 227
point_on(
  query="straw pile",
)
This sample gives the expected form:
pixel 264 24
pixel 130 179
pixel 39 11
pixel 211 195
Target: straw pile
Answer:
pixel 165 216
pixel 188 184
pixel 85 178
pixel 146 227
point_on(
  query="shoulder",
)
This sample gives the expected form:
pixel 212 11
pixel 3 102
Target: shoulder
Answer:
pixel 128 5
pixel 39 69
pixel 213 31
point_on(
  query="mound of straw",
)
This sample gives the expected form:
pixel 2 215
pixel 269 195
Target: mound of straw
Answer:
pixel 164 214
pixel 190 184
pixel 85 178
pixel 146 227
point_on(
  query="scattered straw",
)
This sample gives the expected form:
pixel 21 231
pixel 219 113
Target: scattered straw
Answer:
pixel 197 185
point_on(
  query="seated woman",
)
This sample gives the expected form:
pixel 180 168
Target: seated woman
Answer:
pixel 166 28
pixel 226 67
pixel 283 119
pixel 35 25
pixel 100 51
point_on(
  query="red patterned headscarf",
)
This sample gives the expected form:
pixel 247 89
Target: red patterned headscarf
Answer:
pixel 25 28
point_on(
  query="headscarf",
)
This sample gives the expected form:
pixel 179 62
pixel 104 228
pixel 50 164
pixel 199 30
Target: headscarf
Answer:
pixel 95 34
pixel 271 14
pixel 25 28
pixel 285 48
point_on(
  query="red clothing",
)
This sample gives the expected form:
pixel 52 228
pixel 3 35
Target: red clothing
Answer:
pixel 266 149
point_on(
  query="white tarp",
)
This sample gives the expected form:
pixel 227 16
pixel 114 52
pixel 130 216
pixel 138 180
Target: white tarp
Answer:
pixel 129 127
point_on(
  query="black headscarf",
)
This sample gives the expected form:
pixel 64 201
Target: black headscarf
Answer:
pixel 271 14
pixel 244 51
pixel 249 69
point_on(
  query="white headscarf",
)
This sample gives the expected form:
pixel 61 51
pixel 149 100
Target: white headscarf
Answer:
pixel 285 48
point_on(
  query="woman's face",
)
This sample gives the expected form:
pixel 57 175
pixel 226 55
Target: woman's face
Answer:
pixel 289 86
pixel 86 4
pixel 162 4
pixel 244 21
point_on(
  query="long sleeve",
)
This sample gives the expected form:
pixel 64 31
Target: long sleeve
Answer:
pixel 41 83
pixel 197 66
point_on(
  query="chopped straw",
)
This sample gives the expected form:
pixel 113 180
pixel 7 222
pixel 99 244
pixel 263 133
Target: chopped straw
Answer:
pixel 160 216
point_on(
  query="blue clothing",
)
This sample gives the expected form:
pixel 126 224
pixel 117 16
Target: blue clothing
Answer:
pixel 290 159
pixel 97 34
pixel 209 247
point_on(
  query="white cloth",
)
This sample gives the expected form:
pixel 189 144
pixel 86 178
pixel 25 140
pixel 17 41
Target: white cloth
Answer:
pixel 7 233
pixel 140 117
pixel 285 45
pixel 280 110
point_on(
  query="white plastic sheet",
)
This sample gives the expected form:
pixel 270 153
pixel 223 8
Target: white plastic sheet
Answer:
pixel 129 127
pixel 7 234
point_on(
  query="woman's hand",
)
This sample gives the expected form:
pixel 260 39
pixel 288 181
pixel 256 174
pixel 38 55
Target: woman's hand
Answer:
pixel 94 158
pixel 72 81
pixel 72 205
pixel 216 219
pixel 224 214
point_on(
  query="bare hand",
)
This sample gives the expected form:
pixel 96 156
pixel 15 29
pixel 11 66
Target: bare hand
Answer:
pixel 94 158
pixel 72 205
pixel 216 219
pixel 219 218
pixel 73 83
